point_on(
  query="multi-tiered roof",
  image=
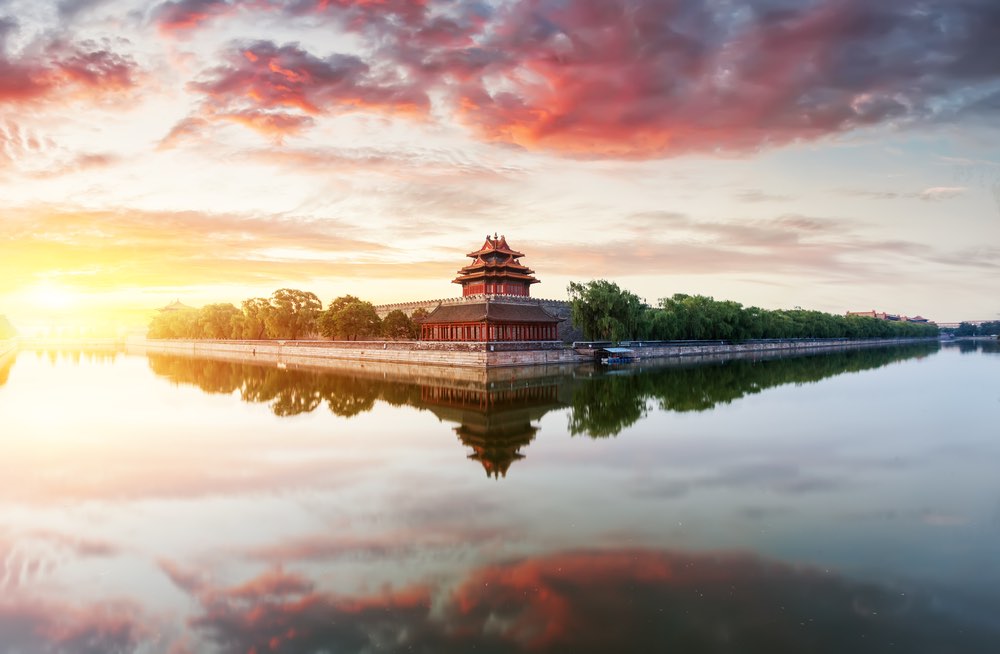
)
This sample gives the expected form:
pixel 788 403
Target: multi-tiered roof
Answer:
pixel 495 270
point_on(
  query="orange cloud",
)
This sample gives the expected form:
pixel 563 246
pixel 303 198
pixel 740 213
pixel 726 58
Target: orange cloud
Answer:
pixel 628 78
pixel 185 15
pixel 58 69
pixel 261 82
pixel 601 601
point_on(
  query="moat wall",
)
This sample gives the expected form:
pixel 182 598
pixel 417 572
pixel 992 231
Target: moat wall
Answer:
pixel 421 354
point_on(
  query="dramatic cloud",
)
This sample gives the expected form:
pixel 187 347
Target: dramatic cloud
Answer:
pixel 184 15
pixel 274 89
pixel 59 628
pixel 631 78
pixel 60 68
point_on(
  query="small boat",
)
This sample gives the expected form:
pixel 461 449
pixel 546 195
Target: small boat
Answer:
pixel 611 355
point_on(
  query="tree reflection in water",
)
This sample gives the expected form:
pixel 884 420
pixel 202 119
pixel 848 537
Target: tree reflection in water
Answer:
pixel 972 346
pixel 607 404
pixel 69 351
pixel 497 421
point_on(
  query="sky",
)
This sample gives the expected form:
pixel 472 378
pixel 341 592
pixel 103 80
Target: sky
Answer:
pixel 830 154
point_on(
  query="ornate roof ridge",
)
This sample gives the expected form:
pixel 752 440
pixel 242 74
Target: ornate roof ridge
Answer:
pixel 495 244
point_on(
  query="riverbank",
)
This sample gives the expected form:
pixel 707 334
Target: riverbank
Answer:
pixel 423 354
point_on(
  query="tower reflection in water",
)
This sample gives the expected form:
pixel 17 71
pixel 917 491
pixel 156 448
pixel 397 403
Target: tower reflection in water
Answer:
pixel 496 424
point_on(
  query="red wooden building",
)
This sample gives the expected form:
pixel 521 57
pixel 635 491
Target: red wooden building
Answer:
pixel 495 270
pixel 503 282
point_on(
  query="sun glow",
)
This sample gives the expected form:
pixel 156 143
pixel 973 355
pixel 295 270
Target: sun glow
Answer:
pixel 52 296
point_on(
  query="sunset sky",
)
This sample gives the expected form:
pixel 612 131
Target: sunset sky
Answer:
pixel 829 154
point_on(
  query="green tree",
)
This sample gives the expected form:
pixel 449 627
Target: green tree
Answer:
pixel 349 318
pixel 216 320
pixel 990 328
pixel 182 323
pixel 966 329
pixel 604 311
pixel 293 314
pixel 397 326
pixel 251 324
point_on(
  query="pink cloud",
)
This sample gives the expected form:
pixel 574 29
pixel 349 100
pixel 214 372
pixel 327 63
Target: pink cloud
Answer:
pixel 186 15
pixel 274 89
pixel 629 78
pixel 61 70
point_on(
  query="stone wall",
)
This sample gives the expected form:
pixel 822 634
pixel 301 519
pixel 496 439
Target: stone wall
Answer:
pixel 448 355
pixel 702 349
pixel 421 373
pixel 559 308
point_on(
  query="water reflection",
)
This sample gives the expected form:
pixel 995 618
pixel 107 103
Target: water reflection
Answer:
pixel 496 418
pixel 607 405
pixel 607 601
pixel 626 600
pixel 858 515
pixel 972 346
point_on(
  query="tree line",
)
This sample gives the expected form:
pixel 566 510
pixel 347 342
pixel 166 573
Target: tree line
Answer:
pixel 288 314
pixel 606 312
pixel 990 328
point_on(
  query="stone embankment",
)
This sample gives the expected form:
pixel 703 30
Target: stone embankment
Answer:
pixel 421 354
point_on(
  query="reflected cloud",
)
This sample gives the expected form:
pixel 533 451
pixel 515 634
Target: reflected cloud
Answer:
pixel 56 627
pixel 590 601
pixel 638 600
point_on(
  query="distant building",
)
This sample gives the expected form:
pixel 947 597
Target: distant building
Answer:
pixel 882 315
pixel 176 305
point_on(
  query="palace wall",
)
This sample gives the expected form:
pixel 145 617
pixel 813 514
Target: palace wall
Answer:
pixel 444 356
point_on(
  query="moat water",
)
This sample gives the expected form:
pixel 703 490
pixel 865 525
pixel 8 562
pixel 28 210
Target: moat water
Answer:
pixel 845 502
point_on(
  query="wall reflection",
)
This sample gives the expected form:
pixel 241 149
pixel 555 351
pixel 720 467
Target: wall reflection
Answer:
pixel 496 419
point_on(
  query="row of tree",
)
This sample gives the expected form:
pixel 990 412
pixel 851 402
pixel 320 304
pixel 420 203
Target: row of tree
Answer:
pixel 990 328
pixel 606 312
pixel 288 314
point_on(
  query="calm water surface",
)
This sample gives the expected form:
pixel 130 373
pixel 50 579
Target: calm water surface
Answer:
pixel 837 503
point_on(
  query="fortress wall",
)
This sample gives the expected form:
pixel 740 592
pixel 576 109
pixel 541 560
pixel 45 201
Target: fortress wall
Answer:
pixel 441 359
pixel 683 350
pixel 415 353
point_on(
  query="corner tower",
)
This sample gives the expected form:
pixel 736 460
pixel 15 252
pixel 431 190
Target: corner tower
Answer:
pixel 495 270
